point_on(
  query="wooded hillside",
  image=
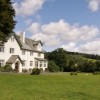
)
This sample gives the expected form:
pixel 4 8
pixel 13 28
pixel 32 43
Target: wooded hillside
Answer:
pixel 73 61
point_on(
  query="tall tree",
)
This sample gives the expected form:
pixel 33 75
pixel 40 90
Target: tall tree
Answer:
pixel 7 22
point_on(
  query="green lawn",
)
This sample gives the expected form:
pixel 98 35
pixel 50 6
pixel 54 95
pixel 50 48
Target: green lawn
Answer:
pixel 59 86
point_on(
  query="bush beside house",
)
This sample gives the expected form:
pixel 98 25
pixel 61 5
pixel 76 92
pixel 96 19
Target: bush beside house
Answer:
pixel 36 71
pixel 6 68
pixel 52 67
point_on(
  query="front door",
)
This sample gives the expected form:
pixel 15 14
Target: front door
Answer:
pixel 17 67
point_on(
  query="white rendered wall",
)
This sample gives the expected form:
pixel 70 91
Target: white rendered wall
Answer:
pixel 17 51
pixel 10 44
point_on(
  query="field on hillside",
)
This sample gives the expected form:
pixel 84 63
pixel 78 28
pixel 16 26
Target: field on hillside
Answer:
pixel 59 86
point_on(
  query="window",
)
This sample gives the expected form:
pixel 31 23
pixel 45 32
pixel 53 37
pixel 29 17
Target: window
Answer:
pixel 12 39
pixel 31 63
pixel 23 63
pixel 35 46
pixel 39 54
pixel 23 52
pixel 44 63
pixel 31 53
pixel 1 49
pixel 36 64
pixel 11 50
pixel 1 62
pixel 40 63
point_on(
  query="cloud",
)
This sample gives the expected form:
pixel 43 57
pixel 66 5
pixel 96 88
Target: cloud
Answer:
pixel 94 5
pixel 28 7
pixel 63 34
pixel 47 40
pixel 70 47
pixel 91 47
pixel 88 32
pixel 34 28
pixel 72 37
pixel 69 32
pixel 55 27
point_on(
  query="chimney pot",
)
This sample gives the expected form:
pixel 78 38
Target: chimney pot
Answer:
pixel 22 36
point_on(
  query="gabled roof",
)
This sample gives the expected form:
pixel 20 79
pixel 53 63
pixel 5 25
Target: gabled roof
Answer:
pixel 28 45
pixel 19 42
pixel 13 58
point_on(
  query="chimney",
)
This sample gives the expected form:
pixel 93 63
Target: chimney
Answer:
pixel 22 36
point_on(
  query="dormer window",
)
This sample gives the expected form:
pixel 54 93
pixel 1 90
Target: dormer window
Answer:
pixel 35 46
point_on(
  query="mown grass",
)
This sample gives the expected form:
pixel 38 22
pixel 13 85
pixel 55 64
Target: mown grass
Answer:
pixel 59 86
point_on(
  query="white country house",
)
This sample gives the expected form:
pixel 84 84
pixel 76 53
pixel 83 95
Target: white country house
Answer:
pixel 22 53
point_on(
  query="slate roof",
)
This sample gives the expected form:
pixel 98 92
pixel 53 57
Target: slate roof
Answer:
pixel 13 58
pixel 41 59
pixel 28 45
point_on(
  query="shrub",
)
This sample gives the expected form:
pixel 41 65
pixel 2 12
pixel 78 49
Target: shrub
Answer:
pixel 41 69
pixel 2 69
pixel 74 67
pixel 96 73
pixel 35 71
pixel 52 67
pixel 6 68
pixel 71 73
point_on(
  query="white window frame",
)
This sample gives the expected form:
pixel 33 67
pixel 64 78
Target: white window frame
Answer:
pixel 36 64
pixel 2 49
pixel 12 50
pixel 1 62
pixel 31 53
pixel 24 63
pixel 31 63
pixel 23 52
pixel 45 63
pixel 41 64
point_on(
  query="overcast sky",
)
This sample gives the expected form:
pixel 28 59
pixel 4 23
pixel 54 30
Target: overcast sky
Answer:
pixel 71 24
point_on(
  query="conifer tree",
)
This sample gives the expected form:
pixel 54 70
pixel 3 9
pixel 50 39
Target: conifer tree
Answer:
pixel 7 22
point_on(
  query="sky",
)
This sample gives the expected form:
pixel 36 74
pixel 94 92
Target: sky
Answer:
pixel 70 24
